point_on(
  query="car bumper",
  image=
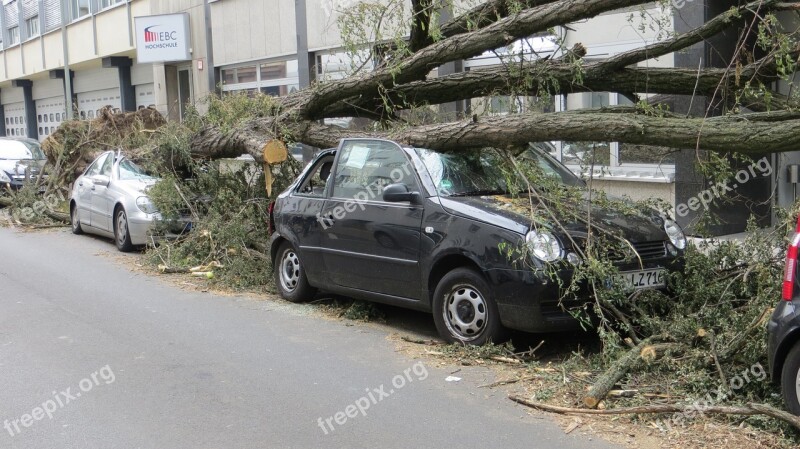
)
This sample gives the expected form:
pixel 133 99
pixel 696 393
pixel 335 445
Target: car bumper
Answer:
pixel 531 301
pixel 141 228
pixel 783 329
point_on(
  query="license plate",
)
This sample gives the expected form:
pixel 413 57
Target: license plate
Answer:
pixel 638 280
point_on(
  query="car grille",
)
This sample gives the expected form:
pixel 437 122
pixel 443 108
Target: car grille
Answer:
pixel 646 250
pixel 650 250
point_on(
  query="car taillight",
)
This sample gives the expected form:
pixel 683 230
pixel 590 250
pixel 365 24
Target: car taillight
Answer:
pixel 790 270
pixel 270 221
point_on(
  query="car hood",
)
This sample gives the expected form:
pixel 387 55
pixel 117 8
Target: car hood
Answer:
pixel 18 167
pixel 514 214
pixel 136 187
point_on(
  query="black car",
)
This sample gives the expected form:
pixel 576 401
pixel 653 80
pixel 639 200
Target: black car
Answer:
pixel 430 231
pixel 784 332
pixel 21 161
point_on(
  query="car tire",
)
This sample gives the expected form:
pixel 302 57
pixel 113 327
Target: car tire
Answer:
pixel 465 311
pixel 122 236
pixel 790 380
pixel 290 276
pixel 74 220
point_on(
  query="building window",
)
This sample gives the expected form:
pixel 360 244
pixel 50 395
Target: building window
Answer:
pixel 276 78
pixel 79 8
pixel 109 3
pixel 32 27
pixel 13 35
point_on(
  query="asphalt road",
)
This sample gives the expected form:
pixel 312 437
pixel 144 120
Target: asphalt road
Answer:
pixel 95 355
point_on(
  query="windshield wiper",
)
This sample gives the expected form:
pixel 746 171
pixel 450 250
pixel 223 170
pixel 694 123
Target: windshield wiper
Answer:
pixel 479 192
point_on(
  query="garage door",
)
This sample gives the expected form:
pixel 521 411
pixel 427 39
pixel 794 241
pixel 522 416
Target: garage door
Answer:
pixel 145 96
pixel 50 113
pixel 15 120
pixel 90 103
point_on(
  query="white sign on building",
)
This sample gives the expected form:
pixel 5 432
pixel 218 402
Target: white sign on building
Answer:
pixel 163 38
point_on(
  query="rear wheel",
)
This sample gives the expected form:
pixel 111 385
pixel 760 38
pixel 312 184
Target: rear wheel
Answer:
pixel 790 380
pixel 122 236
pixel 290 276
pixel 464 310
pixel 75 221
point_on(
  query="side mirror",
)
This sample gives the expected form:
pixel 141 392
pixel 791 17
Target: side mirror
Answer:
pixel 397 193
pixel 101 180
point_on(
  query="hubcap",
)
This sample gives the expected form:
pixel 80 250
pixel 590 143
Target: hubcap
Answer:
pixel 797 385
pixel 465 312
pixel 290 271
pixel 122 227
pixel 74 217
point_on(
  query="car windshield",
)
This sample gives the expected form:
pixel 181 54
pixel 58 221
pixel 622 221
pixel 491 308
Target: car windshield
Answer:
pixel 18 150
pixel 130 171
pixel 480 171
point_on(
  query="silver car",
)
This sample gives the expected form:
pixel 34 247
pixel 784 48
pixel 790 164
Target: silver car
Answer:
pixel 110 199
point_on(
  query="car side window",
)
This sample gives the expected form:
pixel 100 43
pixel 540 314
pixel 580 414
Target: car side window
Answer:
pixel 95 168
pixel 106 169
pixel 366 167
pixel 317 179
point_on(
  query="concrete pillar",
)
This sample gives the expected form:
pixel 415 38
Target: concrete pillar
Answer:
pixel 127 93
pixel 2 121
pixel 70 99
pixel 30 107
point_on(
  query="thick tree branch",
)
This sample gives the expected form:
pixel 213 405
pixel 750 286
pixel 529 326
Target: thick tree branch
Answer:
pixel 465 46
pixel 748 134
pixel 556 77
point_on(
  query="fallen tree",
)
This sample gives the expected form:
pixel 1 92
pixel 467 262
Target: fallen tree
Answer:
pixel 402 85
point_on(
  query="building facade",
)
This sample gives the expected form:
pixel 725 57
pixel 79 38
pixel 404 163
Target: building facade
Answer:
pixel 96 53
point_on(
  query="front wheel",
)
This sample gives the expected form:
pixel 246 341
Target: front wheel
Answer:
pixel 75 220
pixel 790 380
pixel 464 310
pixel 290 276
pixel 122 236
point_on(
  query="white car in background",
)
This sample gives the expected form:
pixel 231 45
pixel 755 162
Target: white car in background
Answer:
pixel 21 161
pixel 110 199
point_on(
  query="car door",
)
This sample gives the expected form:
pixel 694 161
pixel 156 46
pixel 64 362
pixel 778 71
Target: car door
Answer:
pixel 101 213
pixel 367 243
pixel 301 213
pixel 86 189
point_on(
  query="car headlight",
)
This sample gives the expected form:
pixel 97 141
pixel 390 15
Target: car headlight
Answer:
pixel 145 205
pixel 675 234
pixel 544 246
pixel 4 177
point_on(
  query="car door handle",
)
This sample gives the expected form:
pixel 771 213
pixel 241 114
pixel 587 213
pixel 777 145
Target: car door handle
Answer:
pixel 80 183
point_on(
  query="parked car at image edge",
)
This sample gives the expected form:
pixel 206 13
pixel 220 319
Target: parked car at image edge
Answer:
pixel 110 199
pixel 21 161
pixel 783 332
pixel 432 241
